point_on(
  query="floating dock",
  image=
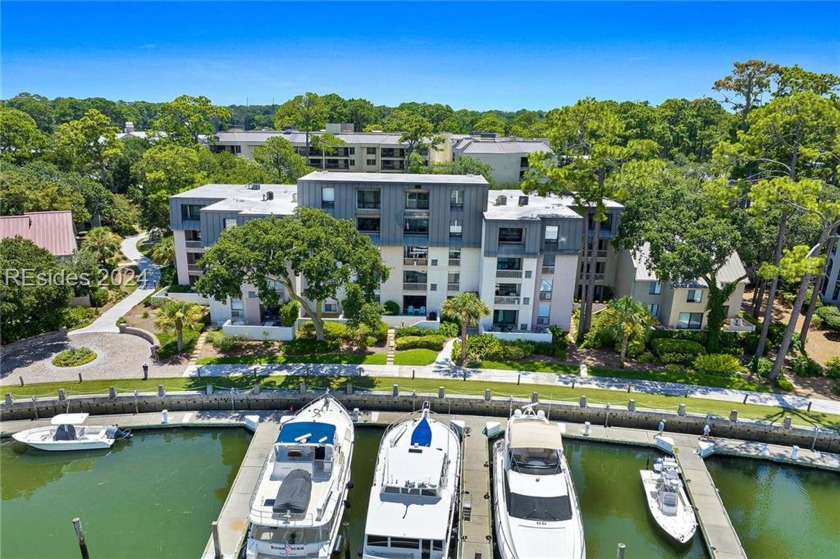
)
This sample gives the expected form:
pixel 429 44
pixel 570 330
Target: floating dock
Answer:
pixel 476 520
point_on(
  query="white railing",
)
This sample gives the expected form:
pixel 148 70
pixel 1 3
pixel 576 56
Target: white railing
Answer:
pixel 415 262
pixel 415 287
pixel 598 277
pixel 506 300
pixel 193 244
pixel 193 267
pixel 454 261
pixel 548 269
pixel 509 274
pixel 453 287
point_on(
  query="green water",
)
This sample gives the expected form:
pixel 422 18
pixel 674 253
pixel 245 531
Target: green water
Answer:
pixel 153 496
pixel 613 504
pixel 364 461
pixel 780 511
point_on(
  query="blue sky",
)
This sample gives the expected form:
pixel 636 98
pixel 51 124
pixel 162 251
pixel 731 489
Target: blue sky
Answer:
pixel 471 55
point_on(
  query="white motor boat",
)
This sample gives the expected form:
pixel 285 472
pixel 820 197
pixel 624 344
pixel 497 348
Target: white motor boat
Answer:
pixel 537 514
pixel 415 490
pixel 67 432
pixel 667 500
pixel 300 495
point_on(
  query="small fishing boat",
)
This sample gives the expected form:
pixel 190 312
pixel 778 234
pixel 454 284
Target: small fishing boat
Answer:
pixel 300 495
pixel 67 432
pixel 667 500
pixel 415 490
pixel 537 514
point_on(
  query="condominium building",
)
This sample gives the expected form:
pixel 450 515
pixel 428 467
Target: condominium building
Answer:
pixel 508 157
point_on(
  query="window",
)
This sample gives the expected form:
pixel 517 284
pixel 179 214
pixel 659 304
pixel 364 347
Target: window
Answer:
pixel 532 507
pixel 406 543
pixel 381 541
pixel 191 211
pixel 453 279
pixel 528 274
pixel 510 234
pixel 546 287
pixel 690 320
pixel 433 287
pixel 368 224
pixel 507 263
pixel 552 232
pixel 351 151
pixel 653 309
pixel 413 276
pixel 454 253
pixel 456 227
pixel 415 252
pixel 368 200
pixel 655 288
pixel 237 308
pixel 694 296
pixel 371 151
pixel 230 222
pixel 606 225
pixel 327 197
pixel 330 307
pixel 456 200
pixel 548 260
pixel 543 313
pixel 416 200
pixel 417 226
pixel 371 162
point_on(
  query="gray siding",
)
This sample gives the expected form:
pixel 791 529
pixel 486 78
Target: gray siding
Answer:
pixel 569 236
pixel 569 233
pixel 213 223
pixel 176 220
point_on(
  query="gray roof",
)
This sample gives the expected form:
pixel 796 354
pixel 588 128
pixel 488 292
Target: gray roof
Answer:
pixel 252 202
pixel 501 145
pixel 538 207
pixel 299 138
pixel 223 191
pixel 396 178
pixel 732 270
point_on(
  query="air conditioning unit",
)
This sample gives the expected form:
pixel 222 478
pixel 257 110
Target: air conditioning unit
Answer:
pixel 501 200
pixel 523 200
pixel 254 186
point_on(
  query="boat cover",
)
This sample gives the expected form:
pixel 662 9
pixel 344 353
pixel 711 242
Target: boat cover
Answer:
pixel 319 433
pixel 294 493
pixel 65 433
pixel 422 434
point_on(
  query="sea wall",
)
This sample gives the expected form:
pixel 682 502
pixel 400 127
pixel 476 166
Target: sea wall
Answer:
pixel 677 420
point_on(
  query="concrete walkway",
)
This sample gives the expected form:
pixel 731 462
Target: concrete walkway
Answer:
pixel 148 280
pixel 445 369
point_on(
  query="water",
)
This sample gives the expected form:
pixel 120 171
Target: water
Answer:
pixel 612 501
pixel 780 511
pixel 364 461
pixel 153 496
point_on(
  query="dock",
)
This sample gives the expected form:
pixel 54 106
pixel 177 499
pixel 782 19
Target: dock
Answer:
pixel 476 520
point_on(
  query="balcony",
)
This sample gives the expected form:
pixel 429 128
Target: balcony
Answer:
pixel 193 245
pixel 193 268
pixel 454 261
pixel 598 277
pixel 453 287
pixel 415 262
pixel 548 270
pixel 506 300
pixel 545 295
pixel 415 287
pixel 512 274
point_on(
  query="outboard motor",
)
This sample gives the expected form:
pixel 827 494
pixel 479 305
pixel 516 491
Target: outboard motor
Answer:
pixel 114 432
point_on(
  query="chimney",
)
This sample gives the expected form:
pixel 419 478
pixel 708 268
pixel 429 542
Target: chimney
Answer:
pixel 129 128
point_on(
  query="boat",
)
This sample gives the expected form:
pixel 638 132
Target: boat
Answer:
pixel 301 491
pixel 67 431
pixel 667 500
pixel 414 497
pixel 536 509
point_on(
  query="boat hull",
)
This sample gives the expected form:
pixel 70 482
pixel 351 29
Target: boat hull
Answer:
pixel 42 439
pixel 680 527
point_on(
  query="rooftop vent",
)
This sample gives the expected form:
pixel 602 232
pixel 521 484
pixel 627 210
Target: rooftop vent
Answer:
pixel 501 200
pixel 269 195
pixel 129 127
pixel 294 196
pixel 523 200
pixel 254 186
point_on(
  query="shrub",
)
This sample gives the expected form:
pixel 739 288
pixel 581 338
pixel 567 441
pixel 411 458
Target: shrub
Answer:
pixel 414 331
pixel 698 336
pixel 224 343
pixel 817 323
pixel 178 288
pixel 830 316
pixel 674 369
pixel 289 313
pixel 74 357
pixel 333 331
pixel 647 357
pixel 77 317
pixel 804 366
pixel 761 366
pixel 832 367
pixel 420 342
pixel 308 346
pixel 676 357
pixel 449 329
pixel 391 308
pixel 676 346
pixel 784 384
pixel 98 297
pixel 168 276
pixel 717 364
pixel 751 343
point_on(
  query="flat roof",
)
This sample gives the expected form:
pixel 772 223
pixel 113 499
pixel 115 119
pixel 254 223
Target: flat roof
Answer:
pixel 538 207
pixel 501 145
pixel 396 178
pixel 297 137
pixel 221 191
pixel 252 202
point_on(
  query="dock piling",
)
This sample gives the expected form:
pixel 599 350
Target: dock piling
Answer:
pixel 619 553
pixel 217 544
pixel 80 535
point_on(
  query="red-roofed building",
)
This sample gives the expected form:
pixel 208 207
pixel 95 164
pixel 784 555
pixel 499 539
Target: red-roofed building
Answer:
pixel 53 231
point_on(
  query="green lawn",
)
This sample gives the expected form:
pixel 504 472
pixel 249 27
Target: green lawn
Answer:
pixel 538 366
pixel 430 386
pixel 419 357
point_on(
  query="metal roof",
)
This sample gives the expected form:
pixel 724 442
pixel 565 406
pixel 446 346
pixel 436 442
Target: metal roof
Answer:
pixel 732 270
pixel 53 231
pixel 396 178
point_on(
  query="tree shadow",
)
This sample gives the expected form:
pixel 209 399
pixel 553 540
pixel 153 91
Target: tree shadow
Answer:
pixel 23 353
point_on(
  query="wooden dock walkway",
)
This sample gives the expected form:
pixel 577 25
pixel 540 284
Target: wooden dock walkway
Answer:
pixel 476 512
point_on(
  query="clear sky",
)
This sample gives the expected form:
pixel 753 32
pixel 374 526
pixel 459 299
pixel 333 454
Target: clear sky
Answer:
pixel 473 55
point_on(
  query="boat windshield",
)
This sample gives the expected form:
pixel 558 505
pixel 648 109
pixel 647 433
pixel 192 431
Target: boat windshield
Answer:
pixel 530 507
pixel 537 461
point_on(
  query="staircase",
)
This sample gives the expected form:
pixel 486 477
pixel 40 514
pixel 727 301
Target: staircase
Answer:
pixel 390 347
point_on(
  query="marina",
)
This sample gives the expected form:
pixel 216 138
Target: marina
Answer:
pixel 475 520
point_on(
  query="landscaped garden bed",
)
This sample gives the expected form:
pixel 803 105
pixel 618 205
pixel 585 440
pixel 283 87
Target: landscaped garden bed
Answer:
pixel 74 357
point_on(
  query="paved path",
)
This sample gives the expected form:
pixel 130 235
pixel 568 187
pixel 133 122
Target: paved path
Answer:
pixel 148 280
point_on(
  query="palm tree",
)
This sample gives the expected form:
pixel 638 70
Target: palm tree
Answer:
pixel 103 243
pixel 163 252
pixel 178 315
pixel 466 309
pixel 625 318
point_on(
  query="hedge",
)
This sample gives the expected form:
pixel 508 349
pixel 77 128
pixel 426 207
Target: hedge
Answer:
pixel 664 346
pixel 830 316
pixel 413 331
pixel 420 342
pixel 717 364
pixel 804 366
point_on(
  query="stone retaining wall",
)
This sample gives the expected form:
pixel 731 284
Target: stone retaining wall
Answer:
pixel 146 335
pixel 243 400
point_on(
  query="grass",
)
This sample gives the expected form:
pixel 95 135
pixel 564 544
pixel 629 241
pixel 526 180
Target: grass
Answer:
pixel 430 386
pixel 419 357
pixel 329 358
pixel 74 357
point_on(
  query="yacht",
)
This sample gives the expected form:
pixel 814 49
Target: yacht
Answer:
pixel 414 496
pixel 67 431
pixel 537 514
pixel 667 500
pixel 300 496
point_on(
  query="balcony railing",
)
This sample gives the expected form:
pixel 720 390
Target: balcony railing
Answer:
pixel 453 287
pixel 506 300
pixel 193 268
pixel 193 244
pixel 415 262
pixel 415 287
pixel 548 270
pixel 545 295
pixel 517 274
pixel 454 261
pixel 601 254
pixel 598 277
